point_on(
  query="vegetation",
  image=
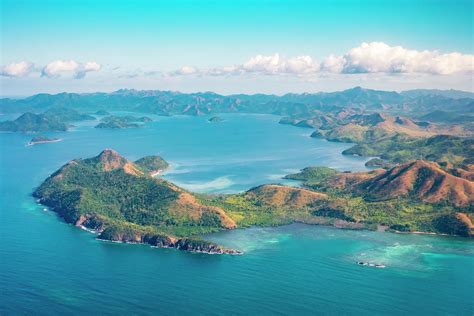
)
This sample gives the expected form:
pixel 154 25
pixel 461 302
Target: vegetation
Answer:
pixel 122 121
pixel 54 119
pixel 110 194
pixel 400 148
pixel 118 198
pixel 152 164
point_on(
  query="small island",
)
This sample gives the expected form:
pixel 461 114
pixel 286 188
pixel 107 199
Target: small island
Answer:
pixel 42 140
pixel 118 122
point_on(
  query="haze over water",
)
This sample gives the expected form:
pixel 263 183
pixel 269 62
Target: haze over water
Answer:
pixel 49 267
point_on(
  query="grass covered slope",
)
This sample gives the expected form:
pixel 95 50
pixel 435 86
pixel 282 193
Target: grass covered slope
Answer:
pixel 417 195
pixel 400 148
pixel 117 198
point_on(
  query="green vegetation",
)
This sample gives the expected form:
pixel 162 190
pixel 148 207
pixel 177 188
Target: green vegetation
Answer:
pixel 54 119
pixel 122 121
pixel 114 196
pixel 313 176
pixel 119 199
pixel 30 122
pixel 400 148
pixel 152 164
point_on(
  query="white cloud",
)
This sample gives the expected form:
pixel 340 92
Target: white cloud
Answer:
pixel 78 70
pixel 378 57
pixel 274 64
pixel 17 70
pixel 374 57
pixel 184 71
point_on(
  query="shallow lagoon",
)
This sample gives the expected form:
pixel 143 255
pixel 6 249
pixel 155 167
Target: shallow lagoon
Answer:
pixel 49 267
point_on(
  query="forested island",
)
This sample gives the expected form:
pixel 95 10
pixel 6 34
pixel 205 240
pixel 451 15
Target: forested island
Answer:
pixel 121 201
pixel 116 122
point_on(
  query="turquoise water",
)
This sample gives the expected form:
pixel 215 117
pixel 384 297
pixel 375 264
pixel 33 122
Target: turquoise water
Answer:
pixel 49 267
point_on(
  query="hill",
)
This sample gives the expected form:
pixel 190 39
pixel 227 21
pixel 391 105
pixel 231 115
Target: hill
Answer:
pixel 422 180
pixel 112 195
pixel 54 119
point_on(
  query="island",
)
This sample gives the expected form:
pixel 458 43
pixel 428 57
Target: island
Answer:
pixel 121 201
pixel 54 119
pixel 117 122
pixel 42 140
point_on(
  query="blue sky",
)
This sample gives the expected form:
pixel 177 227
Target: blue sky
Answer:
pixel 214 45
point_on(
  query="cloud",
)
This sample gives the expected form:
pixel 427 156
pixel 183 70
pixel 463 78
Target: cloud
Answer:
pixel 378 57
pixel 78 70
pixel 374 57
pixel 17 70
pixel 274 64
pixel 184 71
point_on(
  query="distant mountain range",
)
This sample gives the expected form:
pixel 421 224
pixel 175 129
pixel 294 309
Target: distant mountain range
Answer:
pixel 415 102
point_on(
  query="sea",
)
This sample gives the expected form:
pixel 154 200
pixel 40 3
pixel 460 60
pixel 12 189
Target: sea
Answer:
pixel 48 267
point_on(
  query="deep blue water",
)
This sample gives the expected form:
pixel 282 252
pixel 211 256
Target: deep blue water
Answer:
pixel 49 267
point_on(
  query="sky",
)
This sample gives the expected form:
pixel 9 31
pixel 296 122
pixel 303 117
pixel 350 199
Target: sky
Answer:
pixel 52 46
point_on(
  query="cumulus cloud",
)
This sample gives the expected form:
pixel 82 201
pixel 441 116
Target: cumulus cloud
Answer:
pixel 275 64
pixel 185 71
pixel 378 57
pixel 78 70
pixel 17 70
pixel 374 57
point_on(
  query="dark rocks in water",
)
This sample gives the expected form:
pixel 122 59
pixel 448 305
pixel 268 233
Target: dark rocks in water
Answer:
pixel 216 119
pixel 129 235
pixel 317 134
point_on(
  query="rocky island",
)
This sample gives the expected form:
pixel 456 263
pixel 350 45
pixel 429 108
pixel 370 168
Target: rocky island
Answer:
pixel 121 201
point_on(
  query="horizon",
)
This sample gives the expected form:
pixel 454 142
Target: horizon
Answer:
pixel 230 94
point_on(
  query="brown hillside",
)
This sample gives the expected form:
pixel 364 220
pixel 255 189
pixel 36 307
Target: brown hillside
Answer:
pixel 350 179
pixel 187 206
pixel 278 195
pixel 423 180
